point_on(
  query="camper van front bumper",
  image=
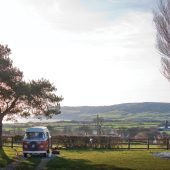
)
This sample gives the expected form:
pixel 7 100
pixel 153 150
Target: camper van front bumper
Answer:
pixel 34 152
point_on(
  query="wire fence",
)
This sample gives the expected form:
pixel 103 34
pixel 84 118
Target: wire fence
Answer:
pixel 95 142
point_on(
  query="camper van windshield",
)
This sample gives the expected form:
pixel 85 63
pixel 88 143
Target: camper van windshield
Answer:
pixel 34 135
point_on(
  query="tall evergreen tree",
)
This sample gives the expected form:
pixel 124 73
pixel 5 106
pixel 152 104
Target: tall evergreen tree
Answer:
pixel 18 97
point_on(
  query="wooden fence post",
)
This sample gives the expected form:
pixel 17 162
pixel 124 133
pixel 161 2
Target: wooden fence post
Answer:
pixel 167 144
pixel 51 142
pixel 12 142
pixel 128 143
pixel 148 144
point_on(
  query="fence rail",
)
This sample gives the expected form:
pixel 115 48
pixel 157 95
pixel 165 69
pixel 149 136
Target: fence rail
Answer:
pixel 96 142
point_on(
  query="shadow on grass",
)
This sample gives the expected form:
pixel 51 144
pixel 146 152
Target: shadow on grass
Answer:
pixel 79 164
pixel 29 164
pixel 96 150
pixel 4 158
pixel 8 155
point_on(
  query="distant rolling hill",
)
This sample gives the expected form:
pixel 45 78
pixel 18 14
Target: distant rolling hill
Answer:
pixel 147 111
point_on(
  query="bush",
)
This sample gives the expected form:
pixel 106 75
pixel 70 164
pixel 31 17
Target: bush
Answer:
pixel 105 142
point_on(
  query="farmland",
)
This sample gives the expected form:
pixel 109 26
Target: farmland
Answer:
pixel 59 126
pixel 123 129
pixel 81 120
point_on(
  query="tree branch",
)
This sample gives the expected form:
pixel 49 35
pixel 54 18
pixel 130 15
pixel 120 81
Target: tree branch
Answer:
pixel 11 106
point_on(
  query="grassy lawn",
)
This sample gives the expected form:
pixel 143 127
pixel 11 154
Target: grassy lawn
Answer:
pixel 92 160
pixel 108 160
pixel 29 164
pixel 8 155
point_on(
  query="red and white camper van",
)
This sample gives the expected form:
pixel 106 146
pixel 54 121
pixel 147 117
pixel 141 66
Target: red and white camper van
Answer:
pixel 37 140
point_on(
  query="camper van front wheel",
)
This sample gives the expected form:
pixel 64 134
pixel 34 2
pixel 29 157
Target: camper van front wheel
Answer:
pixel 25 155
pixel 44 154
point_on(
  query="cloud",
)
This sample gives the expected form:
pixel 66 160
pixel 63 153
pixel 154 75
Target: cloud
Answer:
pixel 69 15
pixel 85 51
pixel 82 16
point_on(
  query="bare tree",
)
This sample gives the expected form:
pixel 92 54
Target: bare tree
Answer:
pixel 162 23
pixel 85 129
pixel 99 123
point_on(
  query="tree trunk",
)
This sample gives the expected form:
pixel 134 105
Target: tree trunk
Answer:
pixel 1 144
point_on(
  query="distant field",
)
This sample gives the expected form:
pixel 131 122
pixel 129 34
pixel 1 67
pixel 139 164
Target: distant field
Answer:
pixel 61 125
pixel 132 124
pixel 108 160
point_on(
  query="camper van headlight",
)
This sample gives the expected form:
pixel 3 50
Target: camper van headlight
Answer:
pixel 25 146
pixel 41 146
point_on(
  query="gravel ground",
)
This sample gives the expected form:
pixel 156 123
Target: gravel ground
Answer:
pixel 162 154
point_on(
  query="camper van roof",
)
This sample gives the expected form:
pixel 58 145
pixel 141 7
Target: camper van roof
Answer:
pixel 37 129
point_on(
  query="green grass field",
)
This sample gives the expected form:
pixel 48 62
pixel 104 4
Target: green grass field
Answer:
pixel 92 160
pixel 7 155
pixel 108 160
pixel 29 164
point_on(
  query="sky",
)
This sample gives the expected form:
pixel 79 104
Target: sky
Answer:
pixel 96 52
